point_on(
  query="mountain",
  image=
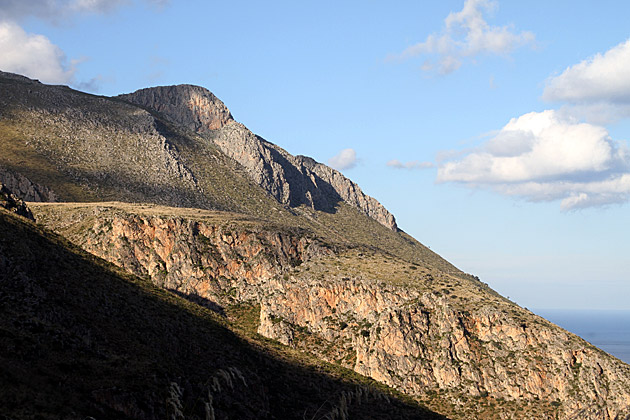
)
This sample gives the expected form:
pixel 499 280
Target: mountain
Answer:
pixel 292 180
pixel 164 184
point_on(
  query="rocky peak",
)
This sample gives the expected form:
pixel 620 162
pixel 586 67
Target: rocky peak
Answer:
pixel 291 180
pixel 194 107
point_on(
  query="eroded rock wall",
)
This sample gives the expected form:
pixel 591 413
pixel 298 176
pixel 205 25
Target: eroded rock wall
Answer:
pixel 420 343
pixel 222 264
pixel 194 107
pixel 25 188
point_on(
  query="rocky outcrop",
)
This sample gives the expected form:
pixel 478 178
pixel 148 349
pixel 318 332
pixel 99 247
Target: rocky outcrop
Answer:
pixel 193 107
pixel 25 188
pixel 219 263
pixel 292 180
pixel 348 191
pixel 13 203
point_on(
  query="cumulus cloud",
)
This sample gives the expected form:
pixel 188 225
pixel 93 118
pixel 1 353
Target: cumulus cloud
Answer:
pixel 32 55
pixel 601 78
pixel 467 34
pixel 414 164
pixel 564 154
pixel 345 159
pixel 596 89
pixel 545 156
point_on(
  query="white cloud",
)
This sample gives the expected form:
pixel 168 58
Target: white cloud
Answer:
pixel 94 6
pixel 52 10
pixel 545 156
pixel 599 113
pixel 35 55
pixel 414 164
pixel 597 89
pixel 32 55
pixel 574 195
pixel 601 78
pixel 345 159
pixel 467 34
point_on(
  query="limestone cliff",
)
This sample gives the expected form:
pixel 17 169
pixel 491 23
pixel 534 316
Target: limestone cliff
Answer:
pixel 479 354
pixel 292 180
pixel 446 339
pixel 193 107
pixel 211 256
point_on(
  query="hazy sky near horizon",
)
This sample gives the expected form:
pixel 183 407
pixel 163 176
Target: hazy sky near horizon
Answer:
pixel 495 131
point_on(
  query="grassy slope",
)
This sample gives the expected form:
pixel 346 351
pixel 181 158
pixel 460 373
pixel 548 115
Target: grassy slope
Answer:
pixel 80 337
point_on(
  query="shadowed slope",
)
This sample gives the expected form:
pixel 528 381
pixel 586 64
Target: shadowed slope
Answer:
pixel 80 338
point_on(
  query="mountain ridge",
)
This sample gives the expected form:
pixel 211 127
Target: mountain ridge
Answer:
pixel 292 180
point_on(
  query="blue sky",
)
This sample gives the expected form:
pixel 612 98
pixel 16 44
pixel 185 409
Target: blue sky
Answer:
pixel 495 131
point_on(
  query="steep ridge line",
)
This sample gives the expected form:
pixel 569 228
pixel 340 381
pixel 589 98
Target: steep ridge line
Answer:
pixel 292 180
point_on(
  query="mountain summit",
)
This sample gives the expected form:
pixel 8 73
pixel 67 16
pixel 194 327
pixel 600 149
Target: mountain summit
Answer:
pixel 292 180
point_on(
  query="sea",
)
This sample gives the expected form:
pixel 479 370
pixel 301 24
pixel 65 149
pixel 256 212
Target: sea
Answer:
pixel 607 329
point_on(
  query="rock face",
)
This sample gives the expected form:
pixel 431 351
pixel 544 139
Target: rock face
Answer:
pixel 431 334
pixel 292 180
pixel 193 107
pixel 25 188
pixel 221 264
pixel 419 342
pixel 13 203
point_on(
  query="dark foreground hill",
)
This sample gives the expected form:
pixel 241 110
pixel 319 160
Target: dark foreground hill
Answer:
pixel 80 339
pixel 164 184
